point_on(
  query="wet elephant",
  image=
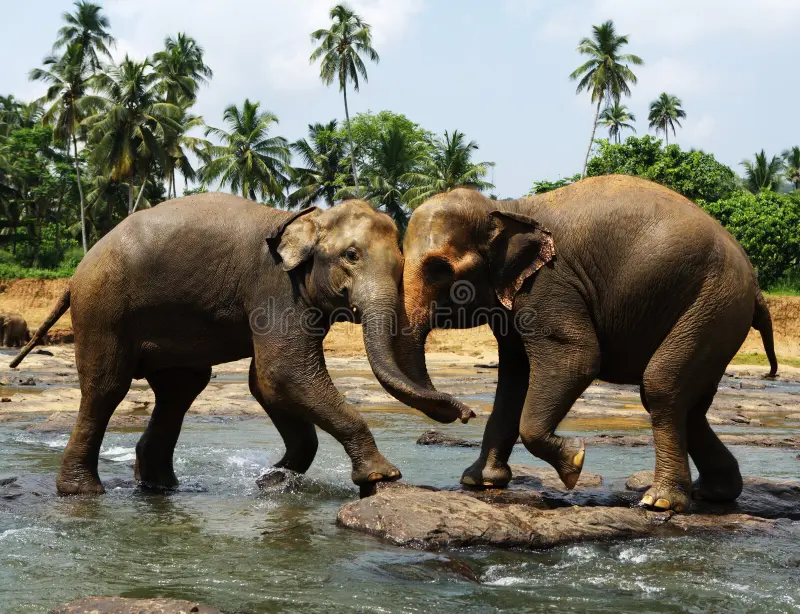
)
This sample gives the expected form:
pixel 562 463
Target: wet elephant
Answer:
pixel 13 330
pixel 614 278
pixel 212 278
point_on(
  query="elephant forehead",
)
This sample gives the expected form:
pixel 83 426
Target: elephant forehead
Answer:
pixel 437 233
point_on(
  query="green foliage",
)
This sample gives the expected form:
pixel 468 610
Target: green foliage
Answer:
pixel 767 225
pixel 762 174
pixel 16 271
pixel 368 129
pixel 540 187
pixel 666 113
pixel 695 174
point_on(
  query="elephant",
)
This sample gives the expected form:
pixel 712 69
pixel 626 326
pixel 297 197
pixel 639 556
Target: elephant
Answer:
pixel 212 278
pixel 14 330
pixel 614 278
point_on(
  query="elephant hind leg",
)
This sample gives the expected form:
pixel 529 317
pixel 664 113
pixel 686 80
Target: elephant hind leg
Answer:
pixel 299 435
pixel 175 391
pixel 720 478
pixel 105 379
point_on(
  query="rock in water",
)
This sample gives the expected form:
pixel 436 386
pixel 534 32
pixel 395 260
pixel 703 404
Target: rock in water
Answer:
pixel 120 605
pixel 437 520
pixel 435 438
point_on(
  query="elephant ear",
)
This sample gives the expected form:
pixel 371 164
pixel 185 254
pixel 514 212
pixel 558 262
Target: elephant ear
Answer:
pixel 294 239
pixel 518 247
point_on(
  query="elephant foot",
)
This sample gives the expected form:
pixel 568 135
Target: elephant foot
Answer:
pixel 663 496
pixel 570 463
pixel 376 470
pixel 480 475
pixel 78 482
pixel 719 487
pixel 161 478
pixel 278 477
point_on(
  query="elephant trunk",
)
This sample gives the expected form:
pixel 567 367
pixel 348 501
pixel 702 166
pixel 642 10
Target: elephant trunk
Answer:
pixel 380 324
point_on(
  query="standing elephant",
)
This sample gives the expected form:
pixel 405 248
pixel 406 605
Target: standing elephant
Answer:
pixel 13 330
pixel 614 278
pixel 212 278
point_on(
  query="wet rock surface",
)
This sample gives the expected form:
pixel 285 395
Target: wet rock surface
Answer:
pixel 120 605
pixel 526 518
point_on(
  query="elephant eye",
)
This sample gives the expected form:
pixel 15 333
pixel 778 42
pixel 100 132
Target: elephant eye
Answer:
pixel 351 255
pixel 438 271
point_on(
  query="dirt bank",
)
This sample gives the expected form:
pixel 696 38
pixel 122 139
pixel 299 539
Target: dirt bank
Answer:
pixel 34 298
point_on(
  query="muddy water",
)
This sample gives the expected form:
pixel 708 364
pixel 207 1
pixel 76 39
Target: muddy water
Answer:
pixel 221 541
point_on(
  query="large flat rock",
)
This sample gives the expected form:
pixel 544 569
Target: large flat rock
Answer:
pixel 527 518
pixel 120 605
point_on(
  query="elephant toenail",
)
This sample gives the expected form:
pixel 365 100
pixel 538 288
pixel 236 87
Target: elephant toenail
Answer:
pixel 578 459
pixel 662 504
pixel 647 500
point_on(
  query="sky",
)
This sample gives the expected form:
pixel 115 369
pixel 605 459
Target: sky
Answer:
pixel 497 71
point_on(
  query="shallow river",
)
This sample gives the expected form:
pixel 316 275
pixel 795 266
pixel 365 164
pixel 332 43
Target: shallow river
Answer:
pixel 219 540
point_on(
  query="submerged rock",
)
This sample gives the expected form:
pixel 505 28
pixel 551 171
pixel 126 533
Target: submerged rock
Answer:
pixel 120 605
pixel 547 478
pixel 436 438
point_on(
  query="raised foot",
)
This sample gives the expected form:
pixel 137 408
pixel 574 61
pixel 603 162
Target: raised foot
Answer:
pixel 664 498
pixel 718 488
pixel 378 470
pixel 570 465
pixel 480 475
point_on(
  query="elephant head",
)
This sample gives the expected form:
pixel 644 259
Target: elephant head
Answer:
pixel 465 260
pixel 349 261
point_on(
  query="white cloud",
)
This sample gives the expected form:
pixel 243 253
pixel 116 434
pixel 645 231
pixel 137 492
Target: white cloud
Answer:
pixel 251 40
pixel 674 75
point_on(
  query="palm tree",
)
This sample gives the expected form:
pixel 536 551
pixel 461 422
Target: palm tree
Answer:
pixel 181 68
pixel 665 111
pixel 791 157
pixel 129 134
pixel 68 78
pixel 606 74
pixel 341 49
pixel 615 117
pixel 249 160
pixel 321 176
pixel 88 26
pixel 177 147
pixel 396 158
pixel 449 166
pixel 762 174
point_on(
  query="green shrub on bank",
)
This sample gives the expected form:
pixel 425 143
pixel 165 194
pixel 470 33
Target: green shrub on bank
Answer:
pixel 16 271
pixel 767 225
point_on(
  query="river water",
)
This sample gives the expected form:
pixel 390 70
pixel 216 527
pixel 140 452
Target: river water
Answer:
pixel 221 541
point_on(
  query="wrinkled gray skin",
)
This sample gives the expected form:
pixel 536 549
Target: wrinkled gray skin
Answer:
pixel 644 288
pixel 13 330
pixel 212 278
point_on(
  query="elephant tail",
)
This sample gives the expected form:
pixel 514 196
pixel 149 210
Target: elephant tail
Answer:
pixel 762 322
pixel 58 311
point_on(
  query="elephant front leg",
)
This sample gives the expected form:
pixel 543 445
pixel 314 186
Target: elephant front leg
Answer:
pixel 502 429
pixel 307 391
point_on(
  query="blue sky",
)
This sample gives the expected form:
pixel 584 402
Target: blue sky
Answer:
pixel 497 71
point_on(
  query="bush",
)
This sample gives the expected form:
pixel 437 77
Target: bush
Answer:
pixel 540 187
pixel 695 174
pixel 767 225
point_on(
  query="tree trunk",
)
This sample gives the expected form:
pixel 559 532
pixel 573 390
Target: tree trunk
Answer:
pixel 666 134
pixel 130 193
pixel 80 192
pixel 591 141
pixel 169 186
pixel 350 137
pixel 141 193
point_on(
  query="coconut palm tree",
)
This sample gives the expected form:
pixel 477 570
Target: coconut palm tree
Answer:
pixel 88 26
pixel 178 144
pixel 762 174
pixel 341 48
pixel 181 68
pixel 665 111
pixel 128 136
pixel 615 117
pixel 791 158
pixel 68 78
pixel 320 177
pixel 449 166
pixel 249 161
pixel 396 159
pixel 606 74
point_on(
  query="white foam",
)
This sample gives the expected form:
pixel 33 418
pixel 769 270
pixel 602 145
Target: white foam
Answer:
pixel 119 454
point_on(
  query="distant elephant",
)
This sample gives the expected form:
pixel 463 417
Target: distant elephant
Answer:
pixel 213 278
pixel 13 330
pixel 614 278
